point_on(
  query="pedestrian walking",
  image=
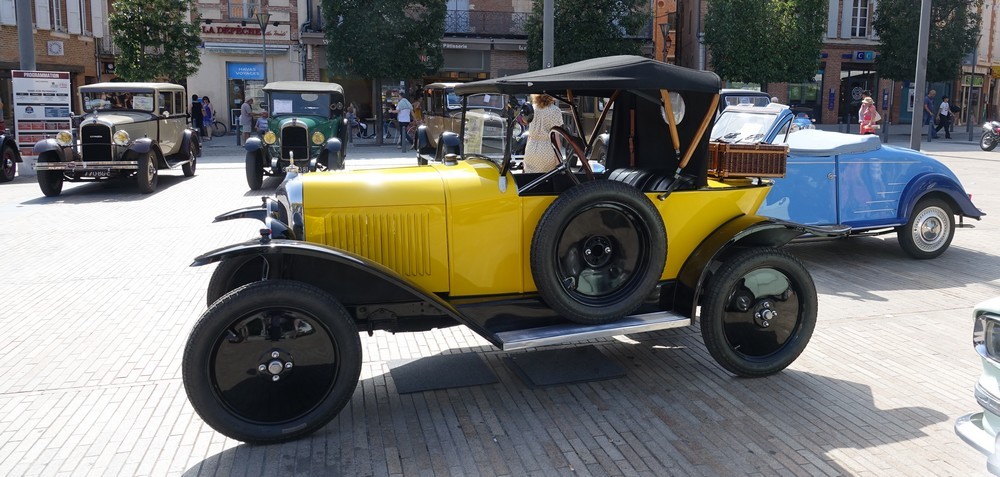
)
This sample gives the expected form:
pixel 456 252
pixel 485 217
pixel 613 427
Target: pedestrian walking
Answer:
pixel 929 114
pixel 404 113
pixel 197 115
pixel 944 117
pixel 538 155
pixel 262 124
pixel 209 112
pixel 246 119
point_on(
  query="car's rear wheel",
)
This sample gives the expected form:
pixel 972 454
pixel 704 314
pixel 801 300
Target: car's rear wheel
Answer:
pixel 147 175
pixel 190 166
pixel 272 361
pixel 758 312
pixel 8 164
pixel 255 170
pixel 598 252
pixel 929 231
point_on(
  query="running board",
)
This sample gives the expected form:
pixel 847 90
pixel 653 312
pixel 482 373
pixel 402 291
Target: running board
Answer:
pixel 566 333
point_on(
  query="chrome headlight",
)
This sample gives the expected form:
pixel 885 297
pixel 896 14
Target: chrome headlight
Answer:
pixel 270 137
pixel 121 138
pixel 986 336
pixel 64 138
pixel 318 138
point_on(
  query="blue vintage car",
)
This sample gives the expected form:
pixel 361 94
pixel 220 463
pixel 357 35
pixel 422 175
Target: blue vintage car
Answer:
pixel 853 180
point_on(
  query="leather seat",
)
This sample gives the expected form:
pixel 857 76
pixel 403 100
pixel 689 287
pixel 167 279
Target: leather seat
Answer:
pixel 643 179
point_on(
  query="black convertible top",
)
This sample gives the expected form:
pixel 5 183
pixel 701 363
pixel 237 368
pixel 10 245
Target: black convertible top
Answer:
pixel 597 75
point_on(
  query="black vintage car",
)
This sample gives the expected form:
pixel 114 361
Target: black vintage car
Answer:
pixel 9 157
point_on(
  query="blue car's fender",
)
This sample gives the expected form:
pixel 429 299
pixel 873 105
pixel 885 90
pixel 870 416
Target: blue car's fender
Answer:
pixel 740 232
pixel 253 144
pixel 941 185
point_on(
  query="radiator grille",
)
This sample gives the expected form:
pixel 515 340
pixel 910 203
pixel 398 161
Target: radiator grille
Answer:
pixel 96 141
pixel 294 139
pixel 400 241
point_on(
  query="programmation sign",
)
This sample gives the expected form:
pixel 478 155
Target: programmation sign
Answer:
pixel 42 108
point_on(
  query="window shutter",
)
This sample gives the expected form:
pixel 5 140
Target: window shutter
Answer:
pixel 97 17
pixel 73 16
pixel 831 19
pixel 872 8
pixel 42 15
pixel 845 18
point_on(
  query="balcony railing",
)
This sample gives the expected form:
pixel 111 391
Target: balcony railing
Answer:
pixel 476 23
pixel 107 47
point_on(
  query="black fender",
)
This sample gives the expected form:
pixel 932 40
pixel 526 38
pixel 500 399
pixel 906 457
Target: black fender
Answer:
pixel 253 143
pixel 49 146
pixel 740 232
pixel 941 185
pixel 352 279
pixel 448 143
pixel 190 136
pixel 7 140
pixel 330 154
pixel 425 151
pixel 141 145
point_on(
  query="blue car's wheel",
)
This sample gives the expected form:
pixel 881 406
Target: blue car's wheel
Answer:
pixel 929 231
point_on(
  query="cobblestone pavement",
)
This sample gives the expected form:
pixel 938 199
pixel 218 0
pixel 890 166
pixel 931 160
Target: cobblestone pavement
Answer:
pixel 99 298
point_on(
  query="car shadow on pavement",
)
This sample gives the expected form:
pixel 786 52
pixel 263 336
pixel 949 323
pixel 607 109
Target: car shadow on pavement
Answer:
pixel 115 190
pixel 674 413
pixel 879 264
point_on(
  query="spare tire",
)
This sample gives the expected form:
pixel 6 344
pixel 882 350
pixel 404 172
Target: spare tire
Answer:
pixel 598 252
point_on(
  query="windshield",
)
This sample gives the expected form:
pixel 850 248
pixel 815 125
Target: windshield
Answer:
pixel 484 134
pixel 116 100
pixel 316 104
pixel 742 127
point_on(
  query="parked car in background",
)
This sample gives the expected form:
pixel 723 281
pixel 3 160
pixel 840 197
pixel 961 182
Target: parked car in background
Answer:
pixel 442 112
pixel 853 180
pixel 522 259
pixel 307 124
pixel 982 429
pixel 9 156
pixel 745 97
pixel 803 121
pixel 127 130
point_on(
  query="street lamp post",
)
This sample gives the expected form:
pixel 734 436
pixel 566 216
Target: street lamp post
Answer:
pixel 665 35
pixel 262 19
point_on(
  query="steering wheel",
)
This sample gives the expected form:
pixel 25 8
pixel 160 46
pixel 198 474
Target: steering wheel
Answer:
pixel 557 135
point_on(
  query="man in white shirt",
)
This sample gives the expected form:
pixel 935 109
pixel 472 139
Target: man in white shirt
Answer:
pixel 404 112
pixel 944 117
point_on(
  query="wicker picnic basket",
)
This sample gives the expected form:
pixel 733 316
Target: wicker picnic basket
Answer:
pixel 729 161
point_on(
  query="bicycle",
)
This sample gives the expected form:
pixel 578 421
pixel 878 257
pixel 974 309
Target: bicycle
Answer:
pixel 219 128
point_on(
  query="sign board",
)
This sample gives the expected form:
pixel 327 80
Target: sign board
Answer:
pixel 245 71
pixel 863 56
pixel 975 80
pixel 995 72
pixel 238 31
pixel 42 108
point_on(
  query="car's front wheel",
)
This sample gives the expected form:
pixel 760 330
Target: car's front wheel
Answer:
pixel 192 163
pixel 51 182
pixel 147 176
pixel 758 312
pixel 272 361
pixel 8 164
pixel 988 141
pixel 255 170
pixel 929 231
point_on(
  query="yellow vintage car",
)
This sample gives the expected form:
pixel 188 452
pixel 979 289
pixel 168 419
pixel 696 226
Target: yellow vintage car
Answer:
pixel 523 259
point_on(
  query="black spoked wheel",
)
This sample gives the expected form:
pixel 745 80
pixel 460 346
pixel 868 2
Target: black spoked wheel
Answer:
pixel 272 361
pixel 929 231
pixel 233 273
pixel 255 170
pixel 988 141
pixel 147 175
pixel 8 164
pixel 758 312
pixel 190 167
pixel 598 252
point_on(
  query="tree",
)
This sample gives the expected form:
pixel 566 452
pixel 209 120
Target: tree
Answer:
pixel 765 41
pixel 954 33
pixel 588 29
pixel 156 39
pixel 376 39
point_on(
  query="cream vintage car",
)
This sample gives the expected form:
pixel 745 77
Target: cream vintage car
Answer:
pixel 129 130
